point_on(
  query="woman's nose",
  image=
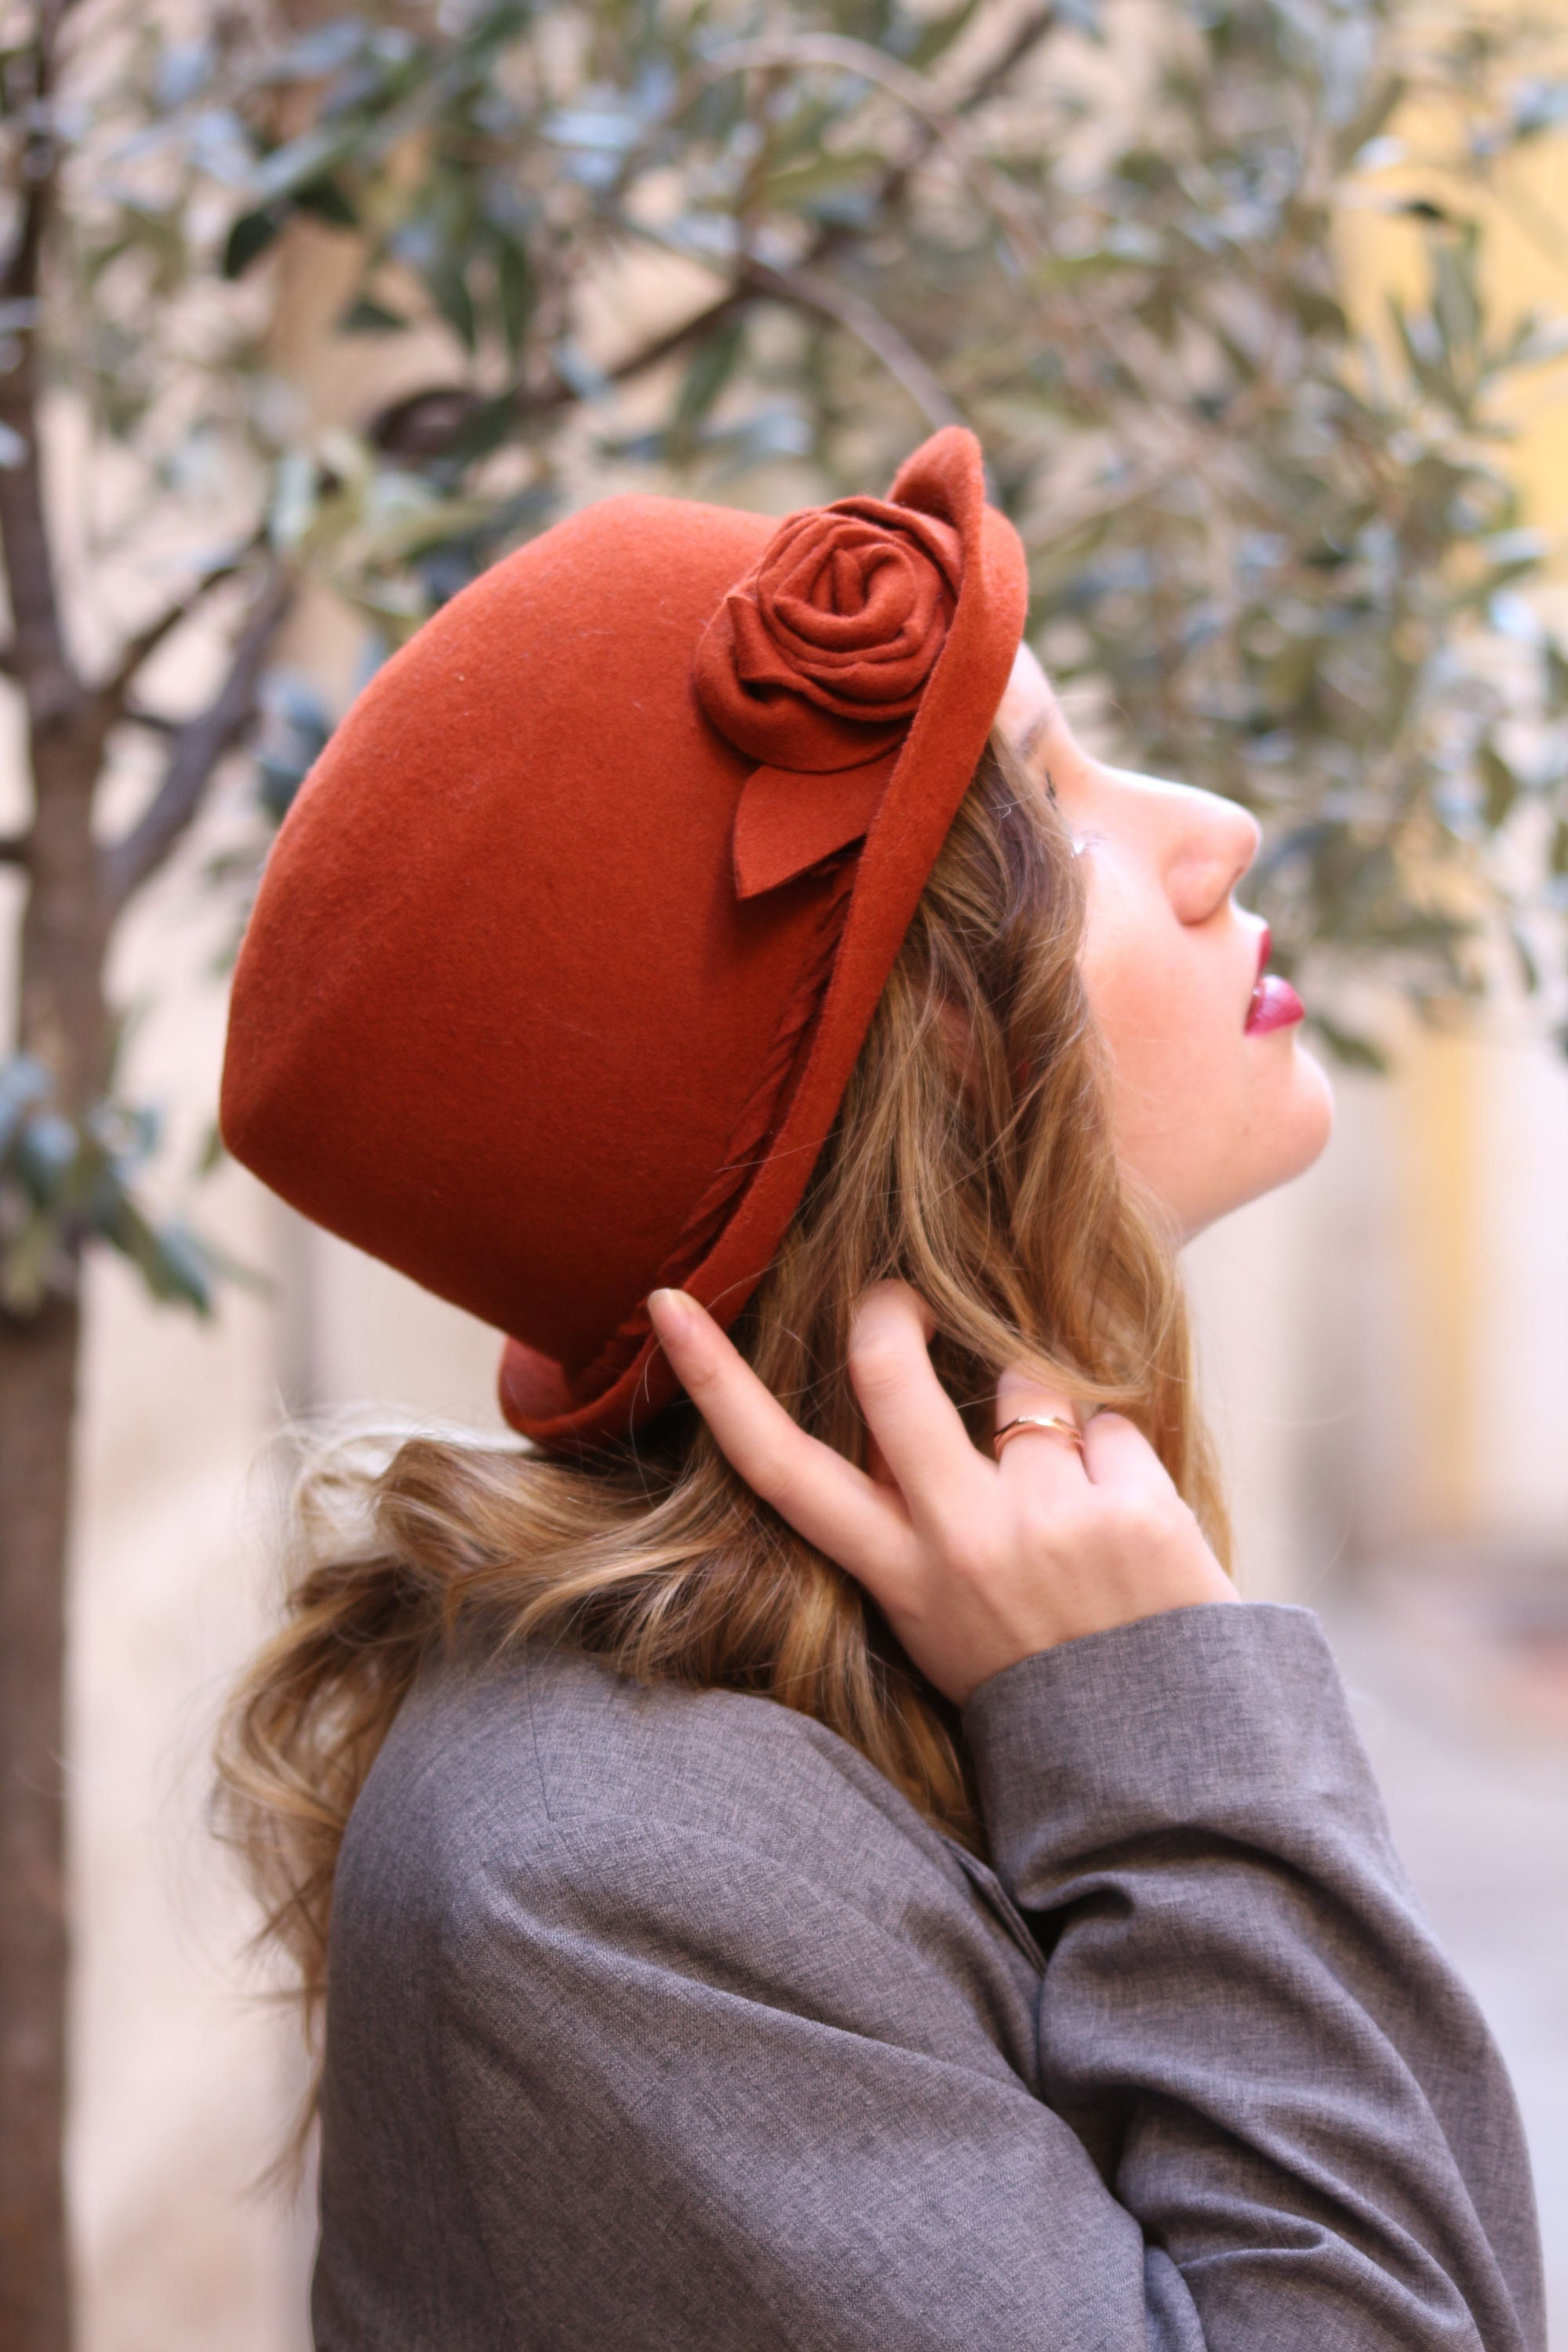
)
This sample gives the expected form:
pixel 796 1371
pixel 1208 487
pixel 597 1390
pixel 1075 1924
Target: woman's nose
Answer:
pixel 1211 843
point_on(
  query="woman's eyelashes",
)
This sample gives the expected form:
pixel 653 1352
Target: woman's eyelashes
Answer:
pixel 1079 837
pixel 1197 845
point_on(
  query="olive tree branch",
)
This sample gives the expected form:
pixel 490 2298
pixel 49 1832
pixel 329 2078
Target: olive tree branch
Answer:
pixel 810 289
pixel 112 693
pixel 554 391
pixel 941 120
pixel 41 662
pixel 198 748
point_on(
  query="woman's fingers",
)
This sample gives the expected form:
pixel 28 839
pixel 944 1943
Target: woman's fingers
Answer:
pixel 1023 1398
pixel 977 1565
pixel 1042 1464
pixel 913 1420
pixel 1118 1456
pixel 1164 1560
pixel 828 1500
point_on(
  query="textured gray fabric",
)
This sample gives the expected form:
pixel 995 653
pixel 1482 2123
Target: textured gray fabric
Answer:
pixel 658 2020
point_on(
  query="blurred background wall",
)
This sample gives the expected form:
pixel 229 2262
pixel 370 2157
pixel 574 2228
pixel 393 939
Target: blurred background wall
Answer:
pixel 1387 1346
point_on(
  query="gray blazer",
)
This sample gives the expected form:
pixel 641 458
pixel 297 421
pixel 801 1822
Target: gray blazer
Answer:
pixel 658 2020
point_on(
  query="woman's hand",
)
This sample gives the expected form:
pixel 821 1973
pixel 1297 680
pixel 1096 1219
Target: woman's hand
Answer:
pixel 975 1563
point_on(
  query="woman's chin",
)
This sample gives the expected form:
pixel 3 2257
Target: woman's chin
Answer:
pixel 1295 1130
pixel 1313 1122
pixel 1289 1124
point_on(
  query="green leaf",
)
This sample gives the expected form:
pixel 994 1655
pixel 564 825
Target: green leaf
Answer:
pixel 446 283
pixel 28 1259
pixel 306 162
pixel 366 315
pixel 250 237
pixel 1370 117
pixel 325 200
pixel 1499 783
pixel 24 1084
pixel 1525 959
pixel 168 1259
pixel 45 1155
pixel 1538 106
pixel 514 294
pixel 1351 1048
pixel 934 35
pixel 807 186
pixel 1456 298
pixel 710 370
pixel 1317 313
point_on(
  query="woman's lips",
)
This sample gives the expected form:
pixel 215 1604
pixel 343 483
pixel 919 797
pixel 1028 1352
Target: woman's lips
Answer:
pixel 1274 1005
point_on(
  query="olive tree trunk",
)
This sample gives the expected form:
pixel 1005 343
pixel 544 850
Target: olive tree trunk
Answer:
pixel 76 886
pixel 62 1019
pixel 37 1395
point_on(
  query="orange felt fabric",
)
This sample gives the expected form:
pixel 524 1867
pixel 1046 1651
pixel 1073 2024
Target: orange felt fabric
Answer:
pixel 501 1016
pixel 787 821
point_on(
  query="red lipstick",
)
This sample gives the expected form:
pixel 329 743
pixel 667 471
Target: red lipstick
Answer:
pixel 1275 1003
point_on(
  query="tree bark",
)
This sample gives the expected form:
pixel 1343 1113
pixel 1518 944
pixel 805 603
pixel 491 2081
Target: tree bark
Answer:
pixel 37 1393
pixel 63 1021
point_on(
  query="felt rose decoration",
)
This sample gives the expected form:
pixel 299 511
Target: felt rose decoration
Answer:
pixel 817 661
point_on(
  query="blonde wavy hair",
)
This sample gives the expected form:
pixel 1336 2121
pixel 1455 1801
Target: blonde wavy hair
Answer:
pixel 987 1180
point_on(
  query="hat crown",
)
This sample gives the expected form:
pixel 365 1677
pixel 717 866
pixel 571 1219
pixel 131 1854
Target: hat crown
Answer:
pixel 507 1014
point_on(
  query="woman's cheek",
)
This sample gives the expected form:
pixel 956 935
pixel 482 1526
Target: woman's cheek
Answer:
pixel 1170 1085
pixel 1207 1116
pixel 1298 1112
pixel 1178 1058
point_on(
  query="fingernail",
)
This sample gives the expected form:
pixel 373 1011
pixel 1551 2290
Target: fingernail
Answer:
pixel 671 1311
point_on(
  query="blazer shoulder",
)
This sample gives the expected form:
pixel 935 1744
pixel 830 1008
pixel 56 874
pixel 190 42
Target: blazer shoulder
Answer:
pixel 719 1760
pixel 500 1766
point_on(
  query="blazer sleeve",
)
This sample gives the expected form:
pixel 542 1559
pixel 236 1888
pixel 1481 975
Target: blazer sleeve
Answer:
pixel 1244 2015
pixel 698 2099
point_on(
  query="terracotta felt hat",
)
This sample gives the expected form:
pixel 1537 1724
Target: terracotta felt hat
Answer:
pixel 565 953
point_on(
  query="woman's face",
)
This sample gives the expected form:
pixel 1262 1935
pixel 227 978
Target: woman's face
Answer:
pixel 1214 1098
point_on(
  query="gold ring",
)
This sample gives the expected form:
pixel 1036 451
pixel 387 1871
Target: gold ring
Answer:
pixel 1053 1421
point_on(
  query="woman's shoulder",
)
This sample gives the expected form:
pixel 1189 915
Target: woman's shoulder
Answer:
pixel 541 1819
pixel 545 1758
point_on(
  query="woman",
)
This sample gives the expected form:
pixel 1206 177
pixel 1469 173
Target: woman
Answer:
pixel 825 1859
